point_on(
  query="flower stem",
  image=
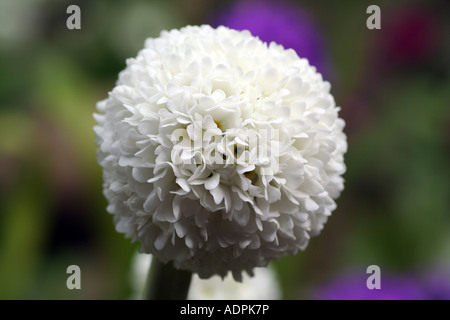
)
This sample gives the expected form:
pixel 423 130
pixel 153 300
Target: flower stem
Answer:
pixel 167 283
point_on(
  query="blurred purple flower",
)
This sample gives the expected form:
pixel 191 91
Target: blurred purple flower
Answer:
pixel 414 36
pixel 436 283
pixel 353 287
pixel 280 22
pixel 430 284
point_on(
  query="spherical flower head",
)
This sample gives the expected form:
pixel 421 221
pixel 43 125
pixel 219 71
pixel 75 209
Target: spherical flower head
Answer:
pixel 220 152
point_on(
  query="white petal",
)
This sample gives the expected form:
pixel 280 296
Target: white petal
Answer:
pixel 212 182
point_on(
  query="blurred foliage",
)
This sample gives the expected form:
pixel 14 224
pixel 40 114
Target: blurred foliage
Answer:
pixel 394 211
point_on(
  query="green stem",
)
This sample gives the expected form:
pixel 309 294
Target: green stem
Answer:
pixel 167 283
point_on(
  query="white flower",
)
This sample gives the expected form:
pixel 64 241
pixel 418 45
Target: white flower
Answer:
pixel 220 152
pixel 262 286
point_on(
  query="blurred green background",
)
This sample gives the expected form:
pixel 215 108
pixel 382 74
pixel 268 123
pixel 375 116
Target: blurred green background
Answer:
pixel 393 86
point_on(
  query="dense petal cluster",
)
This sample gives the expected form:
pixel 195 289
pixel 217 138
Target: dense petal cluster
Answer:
pixel 220 152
